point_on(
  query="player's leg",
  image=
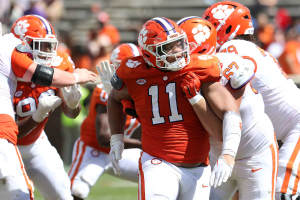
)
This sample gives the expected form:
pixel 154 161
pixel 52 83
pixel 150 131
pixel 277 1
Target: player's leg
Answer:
pixel 256 176
pixel 87 166
pixel 287 186
pixel 158 180
pixel 225 191
pixel 45 167
pixel 194 183
pixel 128 165
pixel 14 182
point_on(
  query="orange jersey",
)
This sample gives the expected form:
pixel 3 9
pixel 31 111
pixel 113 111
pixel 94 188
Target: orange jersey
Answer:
pixel 170 128
pixel 27 96
pixel 88 127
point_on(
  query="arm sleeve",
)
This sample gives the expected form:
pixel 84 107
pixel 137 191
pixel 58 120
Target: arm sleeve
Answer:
pixel 20 63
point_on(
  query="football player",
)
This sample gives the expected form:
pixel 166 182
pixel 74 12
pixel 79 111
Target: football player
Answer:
pixel 90 152
pixel 33 104
pixel 174 161
pixel 256 159
pixel 235 35
pixel 16 64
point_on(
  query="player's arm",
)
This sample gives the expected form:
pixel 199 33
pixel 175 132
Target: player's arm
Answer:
pixel 26 70
pixel 71 100
pixel 102 126
pixel 46 105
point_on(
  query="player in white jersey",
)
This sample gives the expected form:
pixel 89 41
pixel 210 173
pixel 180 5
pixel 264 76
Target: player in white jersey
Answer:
pixel 90 152
pixel 281 96
pixel 13 65
pixel 256 158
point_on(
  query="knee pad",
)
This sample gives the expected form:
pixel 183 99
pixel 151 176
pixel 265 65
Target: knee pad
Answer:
pixel 80 189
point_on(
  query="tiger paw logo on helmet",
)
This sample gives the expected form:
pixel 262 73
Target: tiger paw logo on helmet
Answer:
pixel 201 33
pixel 21 28
pixel 222 12
pixel 142 37
pixel 132 64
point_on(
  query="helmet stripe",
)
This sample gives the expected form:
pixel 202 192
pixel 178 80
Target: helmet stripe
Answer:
pixel 46 24
pixel 167 26
pixel 134 49
pixel 186 18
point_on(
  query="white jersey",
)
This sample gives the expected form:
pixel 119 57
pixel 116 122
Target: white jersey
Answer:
pixel 8 81
pixel 280 95
pixel 257 130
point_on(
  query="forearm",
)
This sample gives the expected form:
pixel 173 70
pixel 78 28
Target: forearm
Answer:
pixel 211 123
pixel 26 126
pixel 69 112
pixel 116 116
pixel 132 143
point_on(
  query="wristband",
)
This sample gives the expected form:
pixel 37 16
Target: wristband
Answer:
pixel 76 77
pixel 195 99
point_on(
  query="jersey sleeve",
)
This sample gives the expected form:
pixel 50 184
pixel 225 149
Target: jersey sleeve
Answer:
pixel 237 70
pixel 20 63
pixel 99 95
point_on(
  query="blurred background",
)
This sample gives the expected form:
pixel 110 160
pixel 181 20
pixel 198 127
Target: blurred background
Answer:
pixel 89 29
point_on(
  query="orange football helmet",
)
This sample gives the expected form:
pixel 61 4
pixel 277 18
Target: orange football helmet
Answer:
pixel 164 45
pixel 122 51
pixel 202 35
pixel 39 37
pixel 230 19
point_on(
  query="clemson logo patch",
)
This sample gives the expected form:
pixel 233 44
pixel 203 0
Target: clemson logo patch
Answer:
pixel 142 37
pixel 141 81
pixel 132 64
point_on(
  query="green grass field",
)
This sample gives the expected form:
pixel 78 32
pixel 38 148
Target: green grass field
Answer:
pixel 109 188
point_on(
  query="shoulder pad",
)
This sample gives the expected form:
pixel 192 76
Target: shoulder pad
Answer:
pixel 237 70
pixel 23 49
pixel 206 67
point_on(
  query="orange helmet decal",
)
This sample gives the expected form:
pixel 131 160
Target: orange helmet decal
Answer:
pixel 202 35
pixel 230 19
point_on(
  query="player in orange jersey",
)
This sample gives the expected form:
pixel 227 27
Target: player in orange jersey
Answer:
pixel 174 161
pixel 14 63
pixel 90 152
pixel 43 164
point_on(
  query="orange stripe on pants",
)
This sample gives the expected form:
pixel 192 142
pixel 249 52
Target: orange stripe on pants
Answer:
pixel 274 167
pixel 76 156
pixel 78 164
pixel 289 168
pixel 27 180
pixel 142 182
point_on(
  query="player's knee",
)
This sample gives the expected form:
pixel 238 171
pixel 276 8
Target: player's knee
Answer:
pixel 80 189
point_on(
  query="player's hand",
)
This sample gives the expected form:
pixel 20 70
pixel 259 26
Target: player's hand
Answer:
pixel 71 95
pixel 116 150
pixel 190 85
pixel 222 170
pixel 46 105
pixel 85 76
pixel 106 71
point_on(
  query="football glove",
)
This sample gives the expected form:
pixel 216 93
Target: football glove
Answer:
pixel 46 105
pixel 190 85
pixel 116 150
pixel 106 71
pixel 71 95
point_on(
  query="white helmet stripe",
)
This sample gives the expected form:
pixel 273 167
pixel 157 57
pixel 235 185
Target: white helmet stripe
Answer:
pixel 186 18
pixel 46 24
pixel 165 24
pixel 134 49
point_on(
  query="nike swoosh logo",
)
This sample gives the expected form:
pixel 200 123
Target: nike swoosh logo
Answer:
pixel 255 170
pixel 204 186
